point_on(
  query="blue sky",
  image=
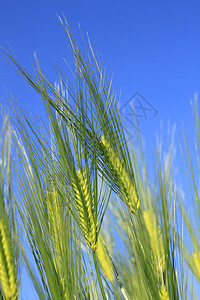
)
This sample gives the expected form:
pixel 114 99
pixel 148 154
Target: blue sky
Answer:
pixel 151 47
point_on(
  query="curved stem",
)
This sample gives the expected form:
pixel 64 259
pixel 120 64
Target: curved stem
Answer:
pixel 99 276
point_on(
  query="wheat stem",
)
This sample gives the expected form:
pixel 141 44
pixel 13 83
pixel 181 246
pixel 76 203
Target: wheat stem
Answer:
pixel 99 276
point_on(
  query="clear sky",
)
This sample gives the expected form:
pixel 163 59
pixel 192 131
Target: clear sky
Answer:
pixel 151 47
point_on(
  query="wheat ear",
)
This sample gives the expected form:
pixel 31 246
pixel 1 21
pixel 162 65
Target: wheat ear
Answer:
pixel 155 240
pixel 55 224
pixel 85 208
pixel 55 227
pixel 164 295
pixel 104 260
pixel 8 281
pixel 128 189
pixel 196 261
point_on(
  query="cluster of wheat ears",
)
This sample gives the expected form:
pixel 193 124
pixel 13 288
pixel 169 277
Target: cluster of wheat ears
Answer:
pixel 79 213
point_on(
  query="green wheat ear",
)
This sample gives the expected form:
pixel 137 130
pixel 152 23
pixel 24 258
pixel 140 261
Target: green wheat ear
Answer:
pixel 55 227
pixel 105 260
pixel 55 223
pixel 155 240
pixel 196 261
pixel 8 280
pixel 164 295
pixel 128 189
pixel 85 208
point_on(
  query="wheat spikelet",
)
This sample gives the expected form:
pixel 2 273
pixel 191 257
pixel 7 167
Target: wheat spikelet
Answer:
pixel 155 240
pixel 127 187
pixel 84 205
pixel 164 295
pixel 105 260
pixel 8 281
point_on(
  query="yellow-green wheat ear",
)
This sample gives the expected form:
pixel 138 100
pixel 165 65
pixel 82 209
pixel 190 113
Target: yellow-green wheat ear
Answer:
pixel 196 261
pixel 105 260
pixel 155 240
pixel 85 208
pixel 127 187
pixel 164 295
pixel 132 198
pixel 8 280
pixel 55 223
pixel 55 227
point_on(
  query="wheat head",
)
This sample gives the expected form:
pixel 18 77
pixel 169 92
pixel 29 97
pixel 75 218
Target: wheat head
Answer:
pixel 55 227
pixel 164 295
pixel 55 223
pixel 128 189
pixel 85 208
pixel 105 260
pixel 8 280
pixel 196 261
pixel 155 240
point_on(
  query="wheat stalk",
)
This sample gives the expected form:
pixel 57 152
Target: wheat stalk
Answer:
pixel 128 189
pixel 85 208
pixel 8 281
